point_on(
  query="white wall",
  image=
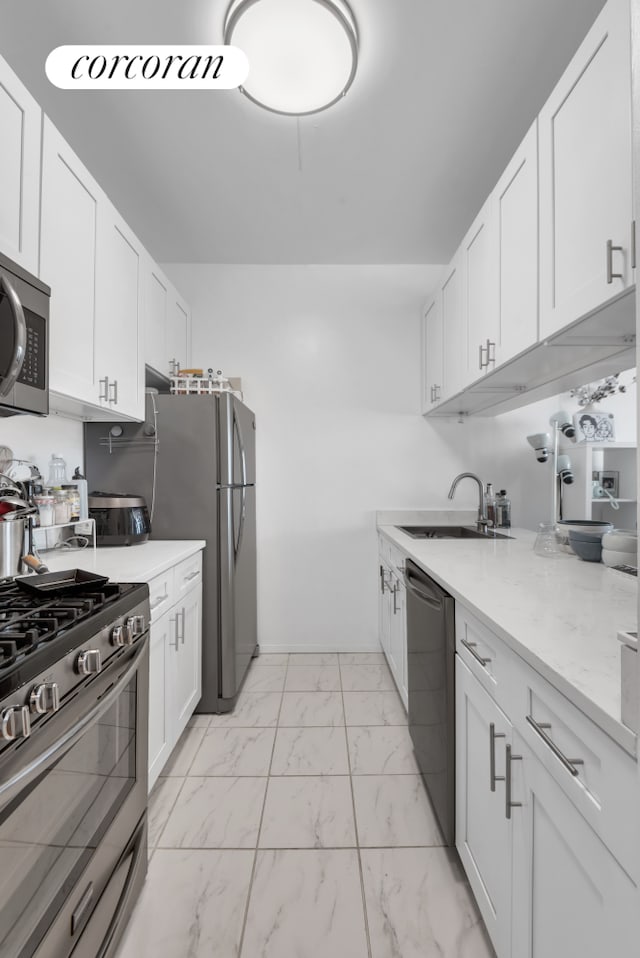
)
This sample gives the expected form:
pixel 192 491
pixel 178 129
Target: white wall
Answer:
pixel 329 358
pixel 35 439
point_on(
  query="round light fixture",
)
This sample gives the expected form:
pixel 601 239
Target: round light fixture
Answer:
pixel 303 54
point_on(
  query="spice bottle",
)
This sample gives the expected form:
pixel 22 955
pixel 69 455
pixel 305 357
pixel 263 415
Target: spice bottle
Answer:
pixel 503 510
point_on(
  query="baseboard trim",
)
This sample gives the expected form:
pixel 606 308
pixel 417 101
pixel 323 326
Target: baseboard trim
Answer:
pixel 327 647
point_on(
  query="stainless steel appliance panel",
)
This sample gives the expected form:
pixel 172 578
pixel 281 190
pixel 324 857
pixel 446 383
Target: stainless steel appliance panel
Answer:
pixel 24 342
pixel 237 463
pixel 238 587
pixel 431 689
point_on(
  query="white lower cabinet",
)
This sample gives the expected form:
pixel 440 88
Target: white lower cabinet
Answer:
pixel 540 809
pixel 570 895
pixel 392 615
pixel 175 666
pixel 483 833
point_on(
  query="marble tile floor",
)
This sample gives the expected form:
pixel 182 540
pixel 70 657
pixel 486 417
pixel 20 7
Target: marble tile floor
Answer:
pixel 298 827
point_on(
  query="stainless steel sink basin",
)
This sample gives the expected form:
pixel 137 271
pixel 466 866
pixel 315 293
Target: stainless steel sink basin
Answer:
pixel 450 532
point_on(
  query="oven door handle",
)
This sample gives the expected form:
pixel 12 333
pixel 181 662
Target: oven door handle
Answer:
pixel 426 596
pixel 13 786
pixel 20 336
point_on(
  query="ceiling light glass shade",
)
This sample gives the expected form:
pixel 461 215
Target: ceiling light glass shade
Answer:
pixel 302 54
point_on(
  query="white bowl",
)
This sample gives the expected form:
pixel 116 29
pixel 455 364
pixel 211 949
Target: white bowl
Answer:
pixel 584 525
pixel 620 540
pixel 613 557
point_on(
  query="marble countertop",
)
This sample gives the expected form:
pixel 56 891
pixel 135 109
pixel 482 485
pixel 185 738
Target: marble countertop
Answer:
pixel 137 563
pixel 560 615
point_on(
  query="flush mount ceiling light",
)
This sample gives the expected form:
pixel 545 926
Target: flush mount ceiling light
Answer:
pixel 302 54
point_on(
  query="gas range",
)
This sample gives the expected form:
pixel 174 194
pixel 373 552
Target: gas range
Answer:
pixel 50 645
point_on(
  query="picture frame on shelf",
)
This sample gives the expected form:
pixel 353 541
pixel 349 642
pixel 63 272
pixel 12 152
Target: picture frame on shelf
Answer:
pixel 594 426
pixel 610 480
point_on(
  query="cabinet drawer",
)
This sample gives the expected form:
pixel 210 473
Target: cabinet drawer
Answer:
pixel 187 574
pixel 161 594
pixel 487 657
pixel 597 775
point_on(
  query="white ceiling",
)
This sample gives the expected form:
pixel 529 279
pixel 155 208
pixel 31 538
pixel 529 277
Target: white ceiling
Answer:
pixel 394 173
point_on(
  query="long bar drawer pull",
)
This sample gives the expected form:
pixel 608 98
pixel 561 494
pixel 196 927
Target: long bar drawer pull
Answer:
pixel 471 646
pixel 539 729
pixel 509 758
pixel 493 735
pixel 159 601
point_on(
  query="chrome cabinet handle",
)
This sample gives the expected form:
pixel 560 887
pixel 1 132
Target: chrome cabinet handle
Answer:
pixel 382 582
pixel 471 646
pixel 183 616
pixel 436 393
pixel 114 386
pixel 104 396
pixel 491 357
pixel 481 363
pixel 633 245
pixel 568 763
pixel 508 804
pixel 493 735
pixel 431 393
pixel 395 588
pixel 611 249
pixel 159 601
pixel 175 645
pixel 193 575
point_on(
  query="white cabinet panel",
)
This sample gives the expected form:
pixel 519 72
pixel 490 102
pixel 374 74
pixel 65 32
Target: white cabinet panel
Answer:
pixel 20 122
pixel 177 333
pixel 483 833
pixel 585 175
pixel 159 717
pixel 119 314
pixel 432 355
pixel 70 199
pixel 185 659
pixel 155 312
pixel 480 297
pixel 515 201
pixel 454 332
pixel 570 895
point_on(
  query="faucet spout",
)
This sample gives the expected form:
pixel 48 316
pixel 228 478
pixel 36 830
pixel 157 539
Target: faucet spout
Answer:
pixel 482 522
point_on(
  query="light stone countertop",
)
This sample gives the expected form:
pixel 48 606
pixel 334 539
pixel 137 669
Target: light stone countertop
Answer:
pixel 137 563
pixel 560 615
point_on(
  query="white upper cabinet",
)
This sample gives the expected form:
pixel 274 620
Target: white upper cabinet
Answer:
pixel 166 324
pixel 479 252
pixel 68 237
pixel 585 176
pixel 432 354
pixel 515 215
pixel 20 122
pixel 454 331
pixel 118 314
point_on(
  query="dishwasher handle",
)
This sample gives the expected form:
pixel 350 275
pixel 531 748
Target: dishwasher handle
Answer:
pixel 421 589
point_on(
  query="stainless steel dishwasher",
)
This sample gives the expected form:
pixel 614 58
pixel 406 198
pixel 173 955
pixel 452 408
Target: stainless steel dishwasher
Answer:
pixel 431 686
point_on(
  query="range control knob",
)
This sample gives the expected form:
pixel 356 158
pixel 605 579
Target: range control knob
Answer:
pixel 136 624
pixel 121 635
pixel 89 662
pixel 15 722
pixel 45 698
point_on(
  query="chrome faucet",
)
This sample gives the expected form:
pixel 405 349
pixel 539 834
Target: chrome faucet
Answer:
pixel 481 522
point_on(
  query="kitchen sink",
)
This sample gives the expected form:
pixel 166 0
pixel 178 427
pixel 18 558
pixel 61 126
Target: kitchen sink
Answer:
pixel 450 532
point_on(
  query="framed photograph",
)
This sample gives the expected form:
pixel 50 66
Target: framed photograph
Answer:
pixel 594 426
pixel 609 482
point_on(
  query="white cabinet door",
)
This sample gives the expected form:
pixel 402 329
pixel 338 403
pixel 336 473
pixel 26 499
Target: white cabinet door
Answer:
pixel 483 833
pixel 20 122
pixel 177 333
pixel 156 304
pixel 432 355
pixel 384 608
pixel 570 896
pixel 185 672
pixel 515 214
pixel 68 231
pixel 585 175
pixel 397 656
pixel 118 314
pixel 480 295
pixel 454 331
pixel 160 741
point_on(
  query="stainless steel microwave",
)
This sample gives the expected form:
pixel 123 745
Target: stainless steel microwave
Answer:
pixel 24 342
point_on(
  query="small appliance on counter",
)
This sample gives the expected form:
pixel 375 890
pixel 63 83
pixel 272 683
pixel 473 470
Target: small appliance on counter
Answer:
pixel 121 519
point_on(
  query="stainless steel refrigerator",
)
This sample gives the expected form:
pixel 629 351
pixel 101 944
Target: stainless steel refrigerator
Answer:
pixel 194 460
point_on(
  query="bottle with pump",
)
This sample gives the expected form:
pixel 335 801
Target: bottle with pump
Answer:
pixel 503 510
pixel 490 505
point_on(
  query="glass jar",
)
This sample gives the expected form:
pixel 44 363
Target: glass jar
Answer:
pixel 45 506
pixel 74 502
pixel 57 470
pixel 61 507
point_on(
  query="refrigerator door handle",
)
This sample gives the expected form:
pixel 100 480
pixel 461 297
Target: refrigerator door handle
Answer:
pixel 243 513
pixel 243 455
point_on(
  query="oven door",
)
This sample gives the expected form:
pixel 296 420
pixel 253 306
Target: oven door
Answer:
pixel 72 818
